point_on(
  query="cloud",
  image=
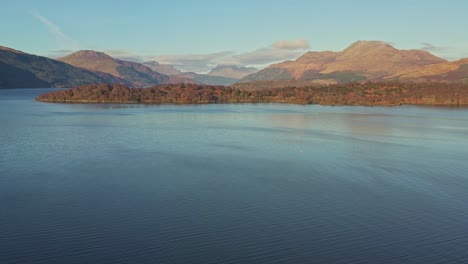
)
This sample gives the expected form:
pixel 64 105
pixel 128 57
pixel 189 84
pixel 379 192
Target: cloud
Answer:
pixel 294 44
pixel 196 62
pixel 276 52
pixel 454 51
pixel 266 56
pixel 62 51
pixel 124 55
pixel 118 52
pixel 432 48
pixel 62 39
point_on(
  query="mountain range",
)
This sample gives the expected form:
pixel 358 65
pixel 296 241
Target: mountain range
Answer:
pixel 365 61
pixel 361 61
pixel 152 72
pixel 22 70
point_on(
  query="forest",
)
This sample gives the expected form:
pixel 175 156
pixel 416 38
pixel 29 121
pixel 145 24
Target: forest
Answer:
pixel 369 93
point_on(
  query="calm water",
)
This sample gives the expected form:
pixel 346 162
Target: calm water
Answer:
pixel 231 183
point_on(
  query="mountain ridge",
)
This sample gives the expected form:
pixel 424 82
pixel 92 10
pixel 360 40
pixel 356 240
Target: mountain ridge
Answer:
pixel 362 60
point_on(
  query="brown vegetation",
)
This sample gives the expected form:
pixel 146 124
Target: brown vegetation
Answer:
pixel 340 94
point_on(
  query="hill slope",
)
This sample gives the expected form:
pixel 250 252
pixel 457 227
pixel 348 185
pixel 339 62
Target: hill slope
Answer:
pixel 455 71
pixel 23 70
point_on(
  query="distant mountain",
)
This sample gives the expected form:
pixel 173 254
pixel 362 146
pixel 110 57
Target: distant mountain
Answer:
pixel 23 70
pixel 455 71
pixel 140 75
pixel 136 73
pixel 166 69
pixel 207 79
pixel 363 60
pixel 234 72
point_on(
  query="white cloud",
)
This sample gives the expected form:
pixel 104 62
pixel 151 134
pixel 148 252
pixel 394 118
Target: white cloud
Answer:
pixel 64 41
pixel 276 52
pixel 266 56
pixel 196 62
pixel 295 44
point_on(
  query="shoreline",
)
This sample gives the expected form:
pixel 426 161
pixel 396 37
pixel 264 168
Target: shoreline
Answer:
pixel 246 102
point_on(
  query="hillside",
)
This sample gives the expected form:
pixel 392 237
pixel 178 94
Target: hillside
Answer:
pixel 455 71
pixel 363 60
pixel 135 73
pixel 23 70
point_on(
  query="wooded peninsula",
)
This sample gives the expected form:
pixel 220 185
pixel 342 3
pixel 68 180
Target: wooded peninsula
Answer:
pixel 368 94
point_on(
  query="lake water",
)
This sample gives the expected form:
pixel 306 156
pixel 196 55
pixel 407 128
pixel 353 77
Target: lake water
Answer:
pixel 264 183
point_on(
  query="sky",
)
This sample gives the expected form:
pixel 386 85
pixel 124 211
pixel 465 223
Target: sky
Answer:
pixel 197 35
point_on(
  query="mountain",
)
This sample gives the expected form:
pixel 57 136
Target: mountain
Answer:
pixel 230 71
pixel 363 60
pixel 206 79
pixel 136 73
pixel 23 70
pixel 455 71
pixel 166 69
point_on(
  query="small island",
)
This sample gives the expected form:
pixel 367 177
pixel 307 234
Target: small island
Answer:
pixel 366 94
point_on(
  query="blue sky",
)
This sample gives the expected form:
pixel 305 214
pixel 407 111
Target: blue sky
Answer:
pixel 199 34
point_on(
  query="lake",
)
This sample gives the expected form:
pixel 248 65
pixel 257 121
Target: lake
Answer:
pixel 247 183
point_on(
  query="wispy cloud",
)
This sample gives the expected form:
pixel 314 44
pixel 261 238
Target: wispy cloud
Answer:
pixel 63 41
pixel 433 48
pixel 197 62
pixel 294 44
